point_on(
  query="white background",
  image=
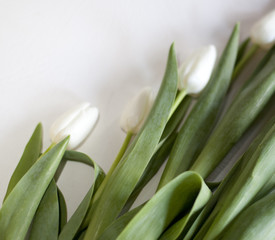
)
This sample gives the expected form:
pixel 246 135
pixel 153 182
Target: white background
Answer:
pixel 57 54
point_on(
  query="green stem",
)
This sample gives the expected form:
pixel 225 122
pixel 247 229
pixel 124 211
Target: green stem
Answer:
pixel 120 153
pixel 177 102
pixel 250 53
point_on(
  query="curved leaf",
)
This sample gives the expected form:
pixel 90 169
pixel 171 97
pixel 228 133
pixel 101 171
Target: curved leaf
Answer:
pixel 174 199
pixel 71 229
pixel 180 228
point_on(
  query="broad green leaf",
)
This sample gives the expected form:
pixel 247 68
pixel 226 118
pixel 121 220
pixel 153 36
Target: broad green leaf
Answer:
pixel 165 145
pixel 243 111
pixel 29 157
pixel 196 225
pixel 122 182
pixel 173 200
pixel 253 173
pixel 62 210
pixel 202 118
pixel 226 185
pixel 152 168
pixel 255 222
pixel 71 229
pixel 179 229
pixel 45 223
pixel 28 193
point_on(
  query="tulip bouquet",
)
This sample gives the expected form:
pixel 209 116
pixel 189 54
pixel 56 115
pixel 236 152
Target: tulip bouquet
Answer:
pixel 183 124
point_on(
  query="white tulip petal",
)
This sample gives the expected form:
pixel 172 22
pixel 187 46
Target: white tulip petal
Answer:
pixel 136 111
pixel 196 71
pixel 78 123
pixel 66 118
pixel 263 31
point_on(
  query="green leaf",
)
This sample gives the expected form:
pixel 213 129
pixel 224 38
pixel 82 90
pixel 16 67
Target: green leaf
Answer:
pixel 29 157
pixel 28 193
pixel 202 118
pixel 71 229
pixel 121 183
pixel 176 198
pixel 75 156
pixel 210 205
pixel 254 171
pixel 254 223
pixel 167 140
pixel 240 115
pixel 226 184
pixel 152 168
pixel 45 223
pixel 180 228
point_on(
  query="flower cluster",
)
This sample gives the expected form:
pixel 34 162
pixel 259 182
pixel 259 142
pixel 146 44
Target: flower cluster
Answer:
pixel 181 128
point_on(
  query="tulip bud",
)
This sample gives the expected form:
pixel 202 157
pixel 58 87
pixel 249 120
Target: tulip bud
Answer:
pixel 136 111
pixel 77 122
pixel 263 31
pixel 195 72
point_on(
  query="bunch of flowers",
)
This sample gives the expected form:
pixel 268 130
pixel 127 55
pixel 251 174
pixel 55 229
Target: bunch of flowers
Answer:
pixel 183 124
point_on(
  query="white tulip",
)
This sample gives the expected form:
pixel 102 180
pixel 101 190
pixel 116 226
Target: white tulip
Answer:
pixel 136 111
pixel 263 31
pixel 195 72
pixel 77 122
